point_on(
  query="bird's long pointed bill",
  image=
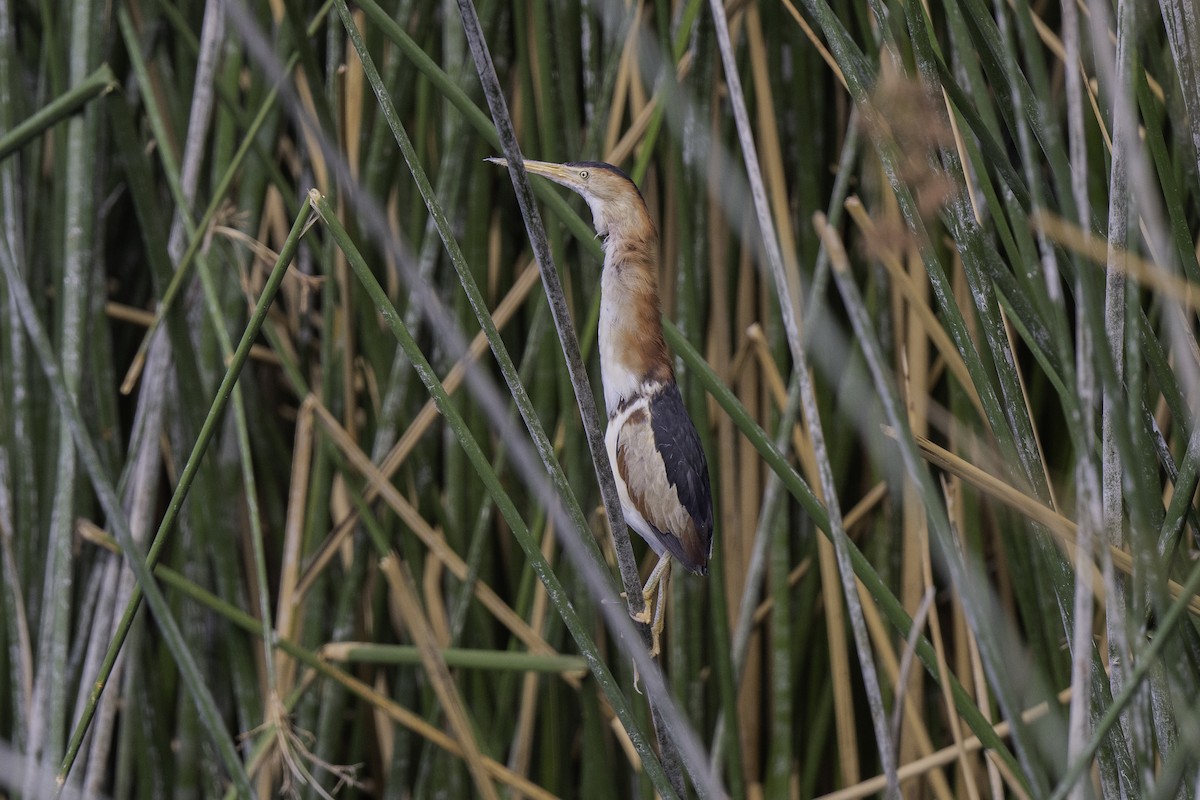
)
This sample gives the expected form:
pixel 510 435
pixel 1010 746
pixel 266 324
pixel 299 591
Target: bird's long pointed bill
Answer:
pixel 555 172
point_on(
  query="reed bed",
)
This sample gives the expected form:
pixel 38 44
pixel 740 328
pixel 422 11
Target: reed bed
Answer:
pixel 296 495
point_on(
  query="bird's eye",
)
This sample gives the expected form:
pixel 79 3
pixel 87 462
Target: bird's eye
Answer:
pixel 583 173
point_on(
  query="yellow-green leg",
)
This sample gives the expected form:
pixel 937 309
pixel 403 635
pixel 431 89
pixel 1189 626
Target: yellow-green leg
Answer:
pixel 660 610
pixel 653 594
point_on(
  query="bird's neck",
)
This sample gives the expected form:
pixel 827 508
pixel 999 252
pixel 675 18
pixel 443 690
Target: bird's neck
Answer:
pixel 634 360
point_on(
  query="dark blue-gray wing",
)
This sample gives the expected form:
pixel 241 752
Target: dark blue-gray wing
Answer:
pixel 678 444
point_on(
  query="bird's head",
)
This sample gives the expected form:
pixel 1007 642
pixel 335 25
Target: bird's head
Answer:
pixel 616 203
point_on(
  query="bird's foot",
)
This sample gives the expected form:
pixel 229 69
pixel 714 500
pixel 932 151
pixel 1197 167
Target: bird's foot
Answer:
pixel 655 649
pixel 644 616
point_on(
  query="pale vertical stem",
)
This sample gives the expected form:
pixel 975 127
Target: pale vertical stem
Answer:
pixel 18 487
pixel 1143 198
pixel 935 629
pixel 1114 285
pixel 48 723
pixel 1086 488
pixel 142 489
pixel 1182 21
pixel 141 501
pixel 774 258
pixel 212 35
pixel 141 494
pixel 1124 126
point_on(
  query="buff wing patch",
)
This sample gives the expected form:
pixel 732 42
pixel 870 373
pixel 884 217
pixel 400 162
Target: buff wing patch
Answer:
pixel 658 456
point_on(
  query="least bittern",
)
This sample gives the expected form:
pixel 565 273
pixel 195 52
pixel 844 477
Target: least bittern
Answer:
pixel 660 469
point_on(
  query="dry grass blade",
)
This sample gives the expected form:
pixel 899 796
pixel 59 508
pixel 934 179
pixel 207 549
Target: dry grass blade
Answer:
pixel 407 606
pixel 288 609
pixel 144 319
pixel 1171 287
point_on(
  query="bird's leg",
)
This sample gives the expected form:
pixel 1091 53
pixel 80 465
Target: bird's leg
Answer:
pixel 652 583
pixel 660 608
pixel 653 594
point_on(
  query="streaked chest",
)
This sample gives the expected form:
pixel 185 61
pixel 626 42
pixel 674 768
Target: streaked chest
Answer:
pixel 632 351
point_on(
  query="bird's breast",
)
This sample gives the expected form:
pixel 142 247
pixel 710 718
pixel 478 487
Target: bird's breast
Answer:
pixel 633 352
pixel 619 371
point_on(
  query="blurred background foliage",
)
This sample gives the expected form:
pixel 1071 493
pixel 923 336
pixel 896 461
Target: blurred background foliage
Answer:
pixel 983 217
